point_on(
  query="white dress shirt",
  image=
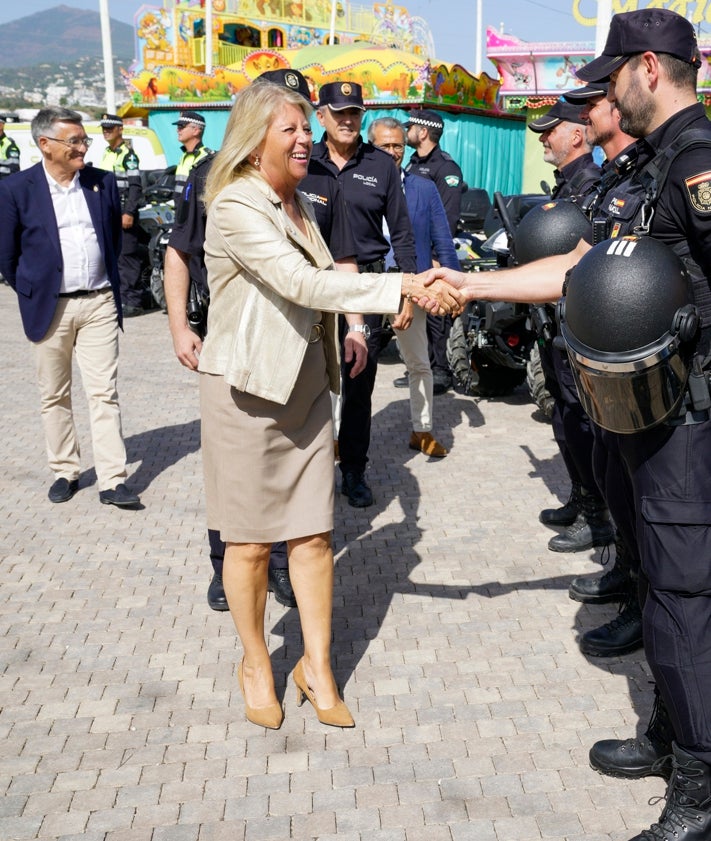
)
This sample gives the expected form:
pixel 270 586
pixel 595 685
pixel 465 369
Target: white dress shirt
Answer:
pixel 82 260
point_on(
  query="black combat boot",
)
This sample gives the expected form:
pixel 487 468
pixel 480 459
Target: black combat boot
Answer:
pixel 621 636
pixel 614 586
pixel 592 527
pixel 636 758
pixel 687 814
pixel 564 516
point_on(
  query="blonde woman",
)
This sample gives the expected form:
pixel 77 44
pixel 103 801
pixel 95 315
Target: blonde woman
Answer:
pixel 268 363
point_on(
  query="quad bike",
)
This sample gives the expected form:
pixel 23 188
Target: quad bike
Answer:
pixel 491 342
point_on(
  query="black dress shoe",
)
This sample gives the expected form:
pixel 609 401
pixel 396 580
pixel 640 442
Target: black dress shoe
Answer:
pixel 402 382
pixel 280 585
pixel 63 489
pixel 216 594
pixel 120 496
pixel 355 488
pixel 130 311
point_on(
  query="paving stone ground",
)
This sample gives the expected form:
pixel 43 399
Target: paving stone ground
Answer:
pixel 454 641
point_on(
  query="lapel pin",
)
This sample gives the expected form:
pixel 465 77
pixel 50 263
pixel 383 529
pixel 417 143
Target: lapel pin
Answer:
pixel 96 188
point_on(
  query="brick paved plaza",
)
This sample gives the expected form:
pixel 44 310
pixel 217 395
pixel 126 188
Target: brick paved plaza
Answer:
pixel 454 641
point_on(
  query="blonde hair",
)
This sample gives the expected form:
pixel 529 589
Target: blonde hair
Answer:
pixel 252 114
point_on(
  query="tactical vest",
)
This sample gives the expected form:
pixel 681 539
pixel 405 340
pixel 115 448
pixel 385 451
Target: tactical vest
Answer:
pixel 9 156
pixel 123 162
pixel 627 207
pixel 186 163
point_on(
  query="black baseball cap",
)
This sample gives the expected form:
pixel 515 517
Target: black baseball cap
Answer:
pixel 654 30
pixel 292 79
pixel 424 117
pixel 579 96
pixel 561 112
pixel 341 95
pixel 190 117
pixel 110 121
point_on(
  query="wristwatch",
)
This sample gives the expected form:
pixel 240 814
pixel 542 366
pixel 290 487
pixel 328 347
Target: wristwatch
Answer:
pixel 360 328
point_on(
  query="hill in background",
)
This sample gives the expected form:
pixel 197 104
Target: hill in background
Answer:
pixel 61 35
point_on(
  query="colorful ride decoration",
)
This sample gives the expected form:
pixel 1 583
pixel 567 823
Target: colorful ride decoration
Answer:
pixel 534 75
pixel 382 47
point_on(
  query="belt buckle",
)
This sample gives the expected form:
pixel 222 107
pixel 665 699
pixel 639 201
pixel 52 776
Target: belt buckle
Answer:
pixel 317 333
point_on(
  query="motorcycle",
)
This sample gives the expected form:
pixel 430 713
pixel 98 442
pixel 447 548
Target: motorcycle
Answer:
pixel 492 343
pixel 156 217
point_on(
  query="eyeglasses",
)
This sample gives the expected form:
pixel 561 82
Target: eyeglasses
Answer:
pixel 73 142
pixel 394 147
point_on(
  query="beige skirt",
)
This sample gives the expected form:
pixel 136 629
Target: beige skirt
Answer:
pixel 269 468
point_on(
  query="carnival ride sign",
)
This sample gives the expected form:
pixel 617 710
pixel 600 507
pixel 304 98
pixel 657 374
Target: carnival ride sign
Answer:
pixel 696 11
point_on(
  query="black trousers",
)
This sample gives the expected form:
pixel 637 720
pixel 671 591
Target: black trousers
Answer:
pixel 572 428
pixel 130 265
pixel 669 470
pixel 356 404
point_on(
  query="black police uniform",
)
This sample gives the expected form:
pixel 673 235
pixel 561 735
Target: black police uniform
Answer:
pixel 372 189
pixel 572 429
pixel 577 178
pixel 188 236
pixel 668 465
pixel 123 162
pixel 441 168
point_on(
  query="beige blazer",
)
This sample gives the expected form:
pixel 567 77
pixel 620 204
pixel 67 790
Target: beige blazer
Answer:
pixel 268 285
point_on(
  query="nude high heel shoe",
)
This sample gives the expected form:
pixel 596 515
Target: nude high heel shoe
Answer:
pixel 336 716
pixel 271 716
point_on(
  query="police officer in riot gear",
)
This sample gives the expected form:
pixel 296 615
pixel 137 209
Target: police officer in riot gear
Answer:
pixel 9 152
pixel 565 145
pixel 651 60
pixel 120 159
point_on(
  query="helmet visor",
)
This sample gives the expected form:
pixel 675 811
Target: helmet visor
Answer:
pixel 630 394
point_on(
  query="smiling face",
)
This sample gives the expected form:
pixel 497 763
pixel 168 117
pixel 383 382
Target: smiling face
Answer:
pixel 285 151
pixel 602 120
pixel 558 143
pixel 62 158
pixel 342 127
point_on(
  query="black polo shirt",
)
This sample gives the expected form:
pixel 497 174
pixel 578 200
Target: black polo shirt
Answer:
pixel 441 168
pixel 325 194
pixel 372 190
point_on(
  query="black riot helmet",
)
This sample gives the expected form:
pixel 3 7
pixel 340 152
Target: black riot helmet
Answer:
pixel 554 227
pixel 630 330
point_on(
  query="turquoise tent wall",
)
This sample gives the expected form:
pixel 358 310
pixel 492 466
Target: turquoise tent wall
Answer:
pixel 489 150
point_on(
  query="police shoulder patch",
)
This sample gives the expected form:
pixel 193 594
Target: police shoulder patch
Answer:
pixel 698 188
pixel 452 180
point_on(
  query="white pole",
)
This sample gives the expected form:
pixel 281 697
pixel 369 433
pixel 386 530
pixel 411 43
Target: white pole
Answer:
pixel 478 67
pixel 108 58
pixel 604 13
pixel 333 22
pixel 208 37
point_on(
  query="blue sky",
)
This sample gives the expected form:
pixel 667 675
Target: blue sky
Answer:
pixel 452 22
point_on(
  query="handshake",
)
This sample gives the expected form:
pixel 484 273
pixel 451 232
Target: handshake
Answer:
pixel 438 291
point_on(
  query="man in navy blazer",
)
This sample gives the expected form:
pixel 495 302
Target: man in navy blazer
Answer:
pixel 60 236
pixel 431 230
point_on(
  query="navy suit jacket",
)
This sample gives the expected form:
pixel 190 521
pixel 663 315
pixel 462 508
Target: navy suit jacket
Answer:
pixel 30 254
pixel 429 223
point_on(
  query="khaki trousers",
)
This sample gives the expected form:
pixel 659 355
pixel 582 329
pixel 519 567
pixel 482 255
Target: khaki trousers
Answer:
pixel 415 353
pixel 87 325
